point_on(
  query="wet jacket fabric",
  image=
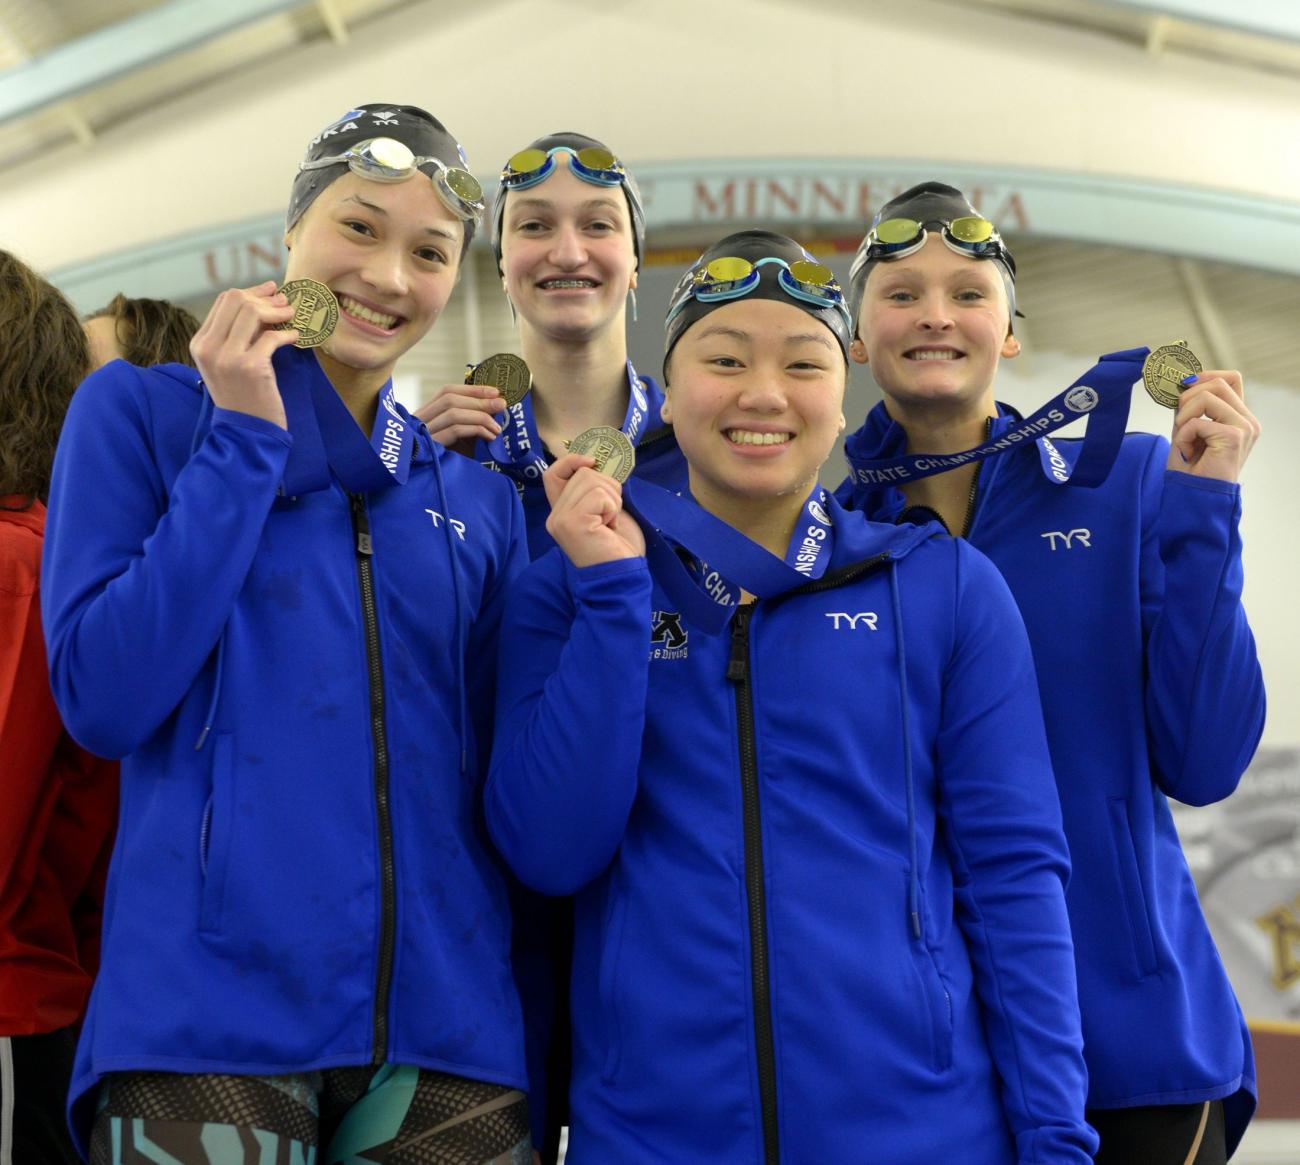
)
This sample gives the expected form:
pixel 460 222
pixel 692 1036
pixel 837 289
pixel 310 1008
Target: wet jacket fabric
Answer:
pixel 817 861
pixel 60 806
pixel 296 685
pixel 1131 593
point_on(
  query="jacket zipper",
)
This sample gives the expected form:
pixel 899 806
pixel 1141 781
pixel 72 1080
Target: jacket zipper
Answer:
pixel 374 667
pixel 651 436
pixel 738 674
pixel 975 485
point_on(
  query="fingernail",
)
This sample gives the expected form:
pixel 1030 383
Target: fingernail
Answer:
pixel 1189 379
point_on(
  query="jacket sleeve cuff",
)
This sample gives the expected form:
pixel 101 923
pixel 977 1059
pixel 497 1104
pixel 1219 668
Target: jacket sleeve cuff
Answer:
pixel 1178 480
pixel 240 420
pixel 604 579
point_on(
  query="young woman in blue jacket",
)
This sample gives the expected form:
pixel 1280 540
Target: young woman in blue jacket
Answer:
pixel 814 840
pixel 568 231
pixel 1131 593
pixel 277 600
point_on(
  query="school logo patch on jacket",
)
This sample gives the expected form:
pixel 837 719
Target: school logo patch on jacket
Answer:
pixel 667 635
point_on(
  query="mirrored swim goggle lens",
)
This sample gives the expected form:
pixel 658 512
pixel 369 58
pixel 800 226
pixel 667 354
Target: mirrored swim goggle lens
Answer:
pixel 388 160
pixel 814 279
pixel 970 230
pixel 723 277
pixel 381 158
pixel 593 163
pixel 463 185
pixel 730 275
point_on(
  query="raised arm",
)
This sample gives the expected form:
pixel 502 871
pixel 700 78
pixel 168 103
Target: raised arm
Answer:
pixel 571 690
pixel 1205 690
pixel 139 573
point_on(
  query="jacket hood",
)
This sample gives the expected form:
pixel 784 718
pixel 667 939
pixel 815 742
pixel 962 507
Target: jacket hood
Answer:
pixel 858 539
pixel 182 373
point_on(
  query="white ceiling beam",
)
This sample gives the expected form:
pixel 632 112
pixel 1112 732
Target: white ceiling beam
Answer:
pixel 156 34
pixel 1223 351
pixel 334 21
pixel 1158 30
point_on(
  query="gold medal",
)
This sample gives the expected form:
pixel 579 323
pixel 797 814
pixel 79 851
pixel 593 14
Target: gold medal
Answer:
pixel 315 312
pixel 505 372
pixel 613 452
pixel 1165 369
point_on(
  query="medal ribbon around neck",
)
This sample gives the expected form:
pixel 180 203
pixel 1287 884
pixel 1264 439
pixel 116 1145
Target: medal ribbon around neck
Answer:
pixel 517 450
pixel 326 436
pixel 1102 394
pixel 726 561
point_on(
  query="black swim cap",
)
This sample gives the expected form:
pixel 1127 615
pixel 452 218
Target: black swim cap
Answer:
pixel 751 245
pixel 422 133
pixel 928 202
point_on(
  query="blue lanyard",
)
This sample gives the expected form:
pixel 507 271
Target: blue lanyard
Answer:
pixel 517 450
pixel 1102 394
pixel 723 560
pixel 326 436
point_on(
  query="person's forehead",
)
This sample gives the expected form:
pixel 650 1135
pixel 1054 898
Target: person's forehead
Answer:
pixel 562 190
pixel 761 321
pixel 412 204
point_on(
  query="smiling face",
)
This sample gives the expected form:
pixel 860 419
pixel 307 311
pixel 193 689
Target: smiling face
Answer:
pixel 933 326
pixel 390 252
pixel 567 255
pixel 756 399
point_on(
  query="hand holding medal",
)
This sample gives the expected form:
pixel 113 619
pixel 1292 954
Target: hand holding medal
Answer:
pixel 587 518
pixel 1214 431
pixel 461 414
pixel 315 312
pixel 233 348
pixel 608 447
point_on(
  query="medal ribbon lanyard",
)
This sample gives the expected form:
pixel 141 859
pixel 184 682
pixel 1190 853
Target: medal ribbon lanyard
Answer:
pixel 728 561
pixel 326 436
pixel 517 450
pixel 1102 394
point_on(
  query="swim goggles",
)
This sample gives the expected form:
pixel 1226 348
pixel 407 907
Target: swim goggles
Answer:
pixel 591 163
pixel 388 160
pixel 730 277
pixel 894 238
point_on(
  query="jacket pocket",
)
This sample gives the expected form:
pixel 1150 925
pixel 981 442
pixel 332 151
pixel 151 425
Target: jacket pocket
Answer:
pixel 936 997
pixel 938 1005
pixel 1130 885
pixel 214 836
pixel 610 951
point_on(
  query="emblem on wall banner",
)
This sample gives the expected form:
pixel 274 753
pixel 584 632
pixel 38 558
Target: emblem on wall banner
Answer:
pixel 1244 854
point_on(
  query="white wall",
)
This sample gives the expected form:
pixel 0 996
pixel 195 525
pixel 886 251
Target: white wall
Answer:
pixel 674 79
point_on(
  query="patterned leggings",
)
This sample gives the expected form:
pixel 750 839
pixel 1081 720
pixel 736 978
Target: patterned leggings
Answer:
pixel 392 1115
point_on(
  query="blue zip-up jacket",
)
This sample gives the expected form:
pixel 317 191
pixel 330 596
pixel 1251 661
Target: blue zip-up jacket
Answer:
pixel 818 862
pixel 308 884
pixel 1131 593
